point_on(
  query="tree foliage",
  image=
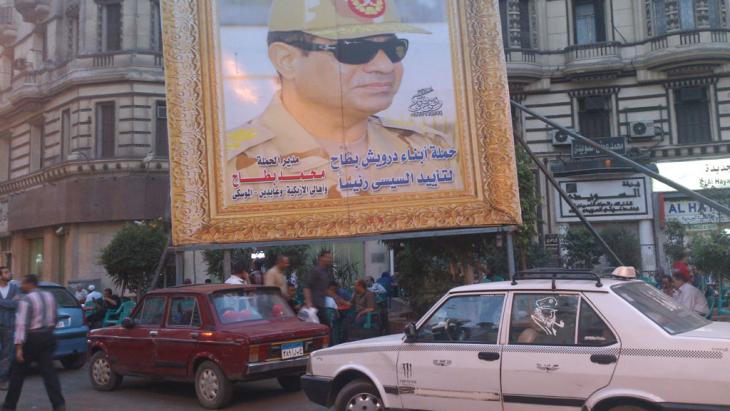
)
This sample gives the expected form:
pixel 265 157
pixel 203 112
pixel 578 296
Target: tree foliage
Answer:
pixel 131 257
pixel 674 244
pixel 625 244
pixel 582 249
pixel 711 253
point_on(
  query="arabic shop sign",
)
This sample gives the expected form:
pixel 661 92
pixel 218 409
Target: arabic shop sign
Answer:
pixel 552 240
pixel 692 213
pixel 583 150
pixel 696 174
pixel 606 200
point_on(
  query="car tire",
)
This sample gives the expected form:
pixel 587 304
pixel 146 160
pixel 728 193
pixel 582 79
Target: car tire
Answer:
pixel 101 373
pixel 73 362
pixel 213 389
pixel 290 383
pixel 359 394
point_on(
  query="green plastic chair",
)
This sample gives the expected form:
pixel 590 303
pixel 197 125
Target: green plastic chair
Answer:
pixel 115 317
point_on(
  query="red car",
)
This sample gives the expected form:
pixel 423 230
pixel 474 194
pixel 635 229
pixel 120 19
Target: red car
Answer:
pixel 213 335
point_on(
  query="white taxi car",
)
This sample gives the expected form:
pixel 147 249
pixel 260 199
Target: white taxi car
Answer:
pixel 550 340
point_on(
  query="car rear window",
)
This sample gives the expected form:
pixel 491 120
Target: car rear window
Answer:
pixel 250 305
pixel 673 317
pixel 63 297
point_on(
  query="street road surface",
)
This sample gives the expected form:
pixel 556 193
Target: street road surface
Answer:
pixel 138 394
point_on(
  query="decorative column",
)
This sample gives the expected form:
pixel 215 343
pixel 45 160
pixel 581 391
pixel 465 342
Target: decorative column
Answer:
pixel 702 13
pixel 672 7
pixel 648 17
pixel 513 23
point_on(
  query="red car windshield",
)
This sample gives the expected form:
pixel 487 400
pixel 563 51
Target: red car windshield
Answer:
pixel 250 305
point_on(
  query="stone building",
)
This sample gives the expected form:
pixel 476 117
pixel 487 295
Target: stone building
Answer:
pixel 648 77
pixel 83 135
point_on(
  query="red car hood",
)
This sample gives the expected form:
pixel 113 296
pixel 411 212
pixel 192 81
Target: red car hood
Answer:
pixel 265 331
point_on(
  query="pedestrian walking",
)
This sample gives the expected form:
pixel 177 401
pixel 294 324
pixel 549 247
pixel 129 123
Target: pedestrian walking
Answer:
pixel 275 276
pixel 8 304
pixel 316 284
pixel 239 276
pixel 35 321
pixel 80 294
pixel 689 296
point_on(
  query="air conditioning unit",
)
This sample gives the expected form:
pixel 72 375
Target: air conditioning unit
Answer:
pixel 561 138
pixel 642 129
pixel 161 111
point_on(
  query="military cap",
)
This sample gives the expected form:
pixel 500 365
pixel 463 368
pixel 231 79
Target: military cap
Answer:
pixel 339 19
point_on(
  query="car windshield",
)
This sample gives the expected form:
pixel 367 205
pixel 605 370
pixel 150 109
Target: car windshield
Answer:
pixel 673 317
pixel 250 305
pixel 63 297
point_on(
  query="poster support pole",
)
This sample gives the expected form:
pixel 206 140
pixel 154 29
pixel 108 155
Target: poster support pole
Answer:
pixel 510 255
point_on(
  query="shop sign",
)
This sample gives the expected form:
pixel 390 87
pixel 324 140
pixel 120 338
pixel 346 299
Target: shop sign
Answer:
pixel 693 214
pixel 606 200
pixel 583 150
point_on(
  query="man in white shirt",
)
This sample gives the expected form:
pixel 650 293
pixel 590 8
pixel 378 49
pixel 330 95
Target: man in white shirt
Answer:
pixel 93 294
pixel 689 296
pixel 275 276
pixel 239 275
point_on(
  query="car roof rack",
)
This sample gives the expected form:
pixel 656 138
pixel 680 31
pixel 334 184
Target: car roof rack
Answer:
pixel 556 274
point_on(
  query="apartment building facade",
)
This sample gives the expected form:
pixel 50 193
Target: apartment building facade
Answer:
pixel 83 134
pixel 649 78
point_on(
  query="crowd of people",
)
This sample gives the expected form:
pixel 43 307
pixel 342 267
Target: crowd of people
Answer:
pixel 319 292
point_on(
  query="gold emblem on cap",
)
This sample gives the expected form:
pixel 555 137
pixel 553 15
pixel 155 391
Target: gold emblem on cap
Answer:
pixel 367 8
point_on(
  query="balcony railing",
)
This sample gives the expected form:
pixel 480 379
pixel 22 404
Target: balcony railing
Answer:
pixel 688 37
pixel 593 51
pixel 520 55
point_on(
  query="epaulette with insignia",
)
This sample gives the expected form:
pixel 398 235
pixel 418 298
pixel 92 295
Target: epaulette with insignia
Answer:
pixel 243 138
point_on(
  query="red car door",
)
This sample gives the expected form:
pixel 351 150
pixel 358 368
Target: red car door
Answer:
pixel 177 340
pixel 133 349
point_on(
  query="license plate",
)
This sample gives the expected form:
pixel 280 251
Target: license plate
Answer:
pixel 60 324
pixel 292 350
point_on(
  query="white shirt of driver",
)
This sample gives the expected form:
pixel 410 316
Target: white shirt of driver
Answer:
pixel 692 298
pixel 94 295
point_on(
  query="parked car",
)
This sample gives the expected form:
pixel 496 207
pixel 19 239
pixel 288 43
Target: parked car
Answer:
pixel 212 335
pixel 71 330
pixel 551 340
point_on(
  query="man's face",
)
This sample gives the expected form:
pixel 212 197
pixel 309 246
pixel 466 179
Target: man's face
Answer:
pixel 325 260
pixel 5 274
pixel 26 286
pixel 677 282
pixel 364 89
pixel 359 289
pixel 284 263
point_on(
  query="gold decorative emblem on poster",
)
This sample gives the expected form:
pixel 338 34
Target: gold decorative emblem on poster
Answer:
pixel 306 119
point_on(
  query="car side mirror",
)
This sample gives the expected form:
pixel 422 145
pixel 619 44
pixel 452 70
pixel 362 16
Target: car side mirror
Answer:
pixel 411 332
pixel 128 323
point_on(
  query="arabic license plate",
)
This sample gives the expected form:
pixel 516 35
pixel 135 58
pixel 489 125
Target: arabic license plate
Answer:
pixel 60 324
pixel 292 350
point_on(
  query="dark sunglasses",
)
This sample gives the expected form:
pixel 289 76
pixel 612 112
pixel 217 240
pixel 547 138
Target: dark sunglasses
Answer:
pixel 359 51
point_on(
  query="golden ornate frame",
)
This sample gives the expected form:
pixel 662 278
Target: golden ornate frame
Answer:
pixel 490 197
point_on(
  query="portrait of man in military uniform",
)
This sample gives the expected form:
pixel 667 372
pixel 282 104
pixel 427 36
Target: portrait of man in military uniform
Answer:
pixel 339 64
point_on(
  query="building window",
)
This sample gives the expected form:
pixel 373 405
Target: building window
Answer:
pixel 686 14
pixel 155 26
pixel 65 133
pixel 594 116
pixel 692 109
pixel 105 130
pixel 660 17
pixel 35 256
pixel 161 147
pixel 4 157
pixel 5 254
pixel 72 31
pixel 111 26
pixel 525 35
pixel 37 145
pixel 590 23
pixel 503 8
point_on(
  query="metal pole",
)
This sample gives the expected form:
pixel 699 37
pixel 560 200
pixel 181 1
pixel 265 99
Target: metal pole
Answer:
pixel 567 199
pixel 510 255
pixel 226 264
pixel 636 166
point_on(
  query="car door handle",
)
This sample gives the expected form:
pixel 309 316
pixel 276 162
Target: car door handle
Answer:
pixel 603 359
pixel 153 333
pixel 489 356
pixel 195 335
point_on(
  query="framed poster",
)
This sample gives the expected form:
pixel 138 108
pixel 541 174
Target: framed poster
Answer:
pixel 312 119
